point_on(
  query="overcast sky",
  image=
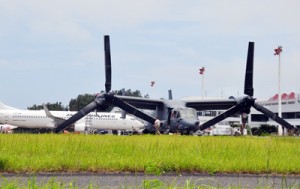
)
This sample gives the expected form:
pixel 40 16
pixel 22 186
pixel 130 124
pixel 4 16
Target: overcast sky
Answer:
pixel 52 51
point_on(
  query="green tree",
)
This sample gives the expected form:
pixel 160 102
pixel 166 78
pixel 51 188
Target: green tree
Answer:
pixel 128 92
pixel 51 106
pixel 80 102
pixel 35 107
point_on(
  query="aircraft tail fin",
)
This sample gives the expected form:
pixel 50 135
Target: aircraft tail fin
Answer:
pixel 6 107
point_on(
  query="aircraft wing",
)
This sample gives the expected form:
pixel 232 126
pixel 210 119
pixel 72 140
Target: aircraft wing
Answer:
pixel 198 104
pixel 211 104
pixel 57 120
pixel 142 103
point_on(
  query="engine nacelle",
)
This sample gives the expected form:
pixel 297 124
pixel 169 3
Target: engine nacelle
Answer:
pixel 7 128
pixel 79 127
pixel 239 99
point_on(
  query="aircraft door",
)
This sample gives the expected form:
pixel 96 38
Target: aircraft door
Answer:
pixel 169 117
pixel 1 117
pixel 4 118
pixel 174 120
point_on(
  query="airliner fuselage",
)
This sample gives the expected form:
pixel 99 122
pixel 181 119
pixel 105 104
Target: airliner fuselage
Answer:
pixel 39 119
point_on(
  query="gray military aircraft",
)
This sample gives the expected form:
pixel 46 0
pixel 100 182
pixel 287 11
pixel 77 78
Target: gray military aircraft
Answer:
pixel 175 115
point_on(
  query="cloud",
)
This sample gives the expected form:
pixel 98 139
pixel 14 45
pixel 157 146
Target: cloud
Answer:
pixel 163 40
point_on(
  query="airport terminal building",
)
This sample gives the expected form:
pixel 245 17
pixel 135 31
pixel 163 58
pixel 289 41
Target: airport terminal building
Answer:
pixel 290 108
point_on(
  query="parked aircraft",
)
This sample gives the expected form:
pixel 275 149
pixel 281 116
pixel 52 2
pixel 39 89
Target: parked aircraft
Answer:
pixel 176 115
pixel 45 119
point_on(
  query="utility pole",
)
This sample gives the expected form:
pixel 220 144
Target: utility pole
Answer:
pixel 278 52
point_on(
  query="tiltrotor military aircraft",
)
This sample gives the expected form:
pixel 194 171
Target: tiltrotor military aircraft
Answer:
pixel 175 115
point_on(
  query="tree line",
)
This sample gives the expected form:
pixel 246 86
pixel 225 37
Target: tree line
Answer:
pixel 81 101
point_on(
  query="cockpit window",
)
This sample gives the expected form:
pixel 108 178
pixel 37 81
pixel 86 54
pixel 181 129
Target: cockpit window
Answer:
pixel 188 113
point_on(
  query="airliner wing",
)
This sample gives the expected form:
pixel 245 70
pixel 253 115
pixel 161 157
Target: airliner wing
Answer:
pixel 212 104
pixel 57 120
pixel 142 103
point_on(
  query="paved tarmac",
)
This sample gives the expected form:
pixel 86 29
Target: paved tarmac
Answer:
pixel 123 180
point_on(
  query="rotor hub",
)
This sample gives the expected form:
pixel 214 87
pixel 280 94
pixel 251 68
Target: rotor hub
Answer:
pixel 246 104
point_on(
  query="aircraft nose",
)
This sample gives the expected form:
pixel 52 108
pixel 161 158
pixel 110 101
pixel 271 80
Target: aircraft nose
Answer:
pixel 189 124
pixel 196 125
pixel 139 124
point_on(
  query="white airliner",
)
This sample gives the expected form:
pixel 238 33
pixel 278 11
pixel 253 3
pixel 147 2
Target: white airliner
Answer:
pixel 45 119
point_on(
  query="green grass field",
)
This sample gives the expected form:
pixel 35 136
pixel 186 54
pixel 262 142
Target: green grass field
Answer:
pixel 148 153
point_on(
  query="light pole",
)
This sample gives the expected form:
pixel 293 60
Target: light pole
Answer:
pixel 278 51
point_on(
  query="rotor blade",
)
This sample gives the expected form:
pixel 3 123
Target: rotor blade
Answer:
pixel 220 117
pixel 132 110
pixel 170 94
pixel 248 87
pixel 107 63
pixel 81 113
pixel 123 113
pixel 273 116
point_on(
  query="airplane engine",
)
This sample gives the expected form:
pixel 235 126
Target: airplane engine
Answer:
pixel 79 127
pixel 7 128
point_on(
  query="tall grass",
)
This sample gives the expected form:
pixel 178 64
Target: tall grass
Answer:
pixel 148 153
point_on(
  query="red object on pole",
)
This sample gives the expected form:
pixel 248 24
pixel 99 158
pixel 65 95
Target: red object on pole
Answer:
pixel 152 83
pixel 278 50
pixel 201 70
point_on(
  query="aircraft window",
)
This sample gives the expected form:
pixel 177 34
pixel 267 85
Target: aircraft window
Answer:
pixel 187 113
pixel 179 114
pixel 259 118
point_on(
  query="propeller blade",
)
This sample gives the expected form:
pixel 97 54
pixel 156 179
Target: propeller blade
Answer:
pixel 81 113
pixel 170 95
pixel 273 116
pixel 221 117
pixel 248 87
pixel 123 114
pixel 132 110
pixel 107 63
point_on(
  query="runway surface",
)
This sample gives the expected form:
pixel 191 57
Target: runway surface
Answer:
pixel 123 180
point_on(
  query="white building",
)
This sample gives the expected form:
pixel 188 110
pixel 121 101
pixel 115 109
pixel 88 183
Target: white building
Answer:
pixel 290 111
pixel 290 108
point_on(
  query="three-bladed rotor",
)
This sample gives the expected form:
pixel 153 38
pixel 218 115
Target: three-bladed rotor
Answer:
pixel 244 104
pixel 105 99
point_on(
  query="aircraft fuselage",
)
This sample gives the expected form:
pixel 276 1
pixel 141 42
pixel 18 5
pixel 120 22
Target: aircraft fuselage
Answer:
pixel 38 119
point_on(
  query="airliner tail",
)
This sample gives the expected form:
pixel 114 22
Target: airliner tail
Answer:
pixel 6 107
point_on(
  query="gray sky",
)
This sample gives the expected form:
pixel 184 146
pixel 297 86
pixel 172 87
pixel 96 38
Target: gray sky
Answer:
pixel 53 50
